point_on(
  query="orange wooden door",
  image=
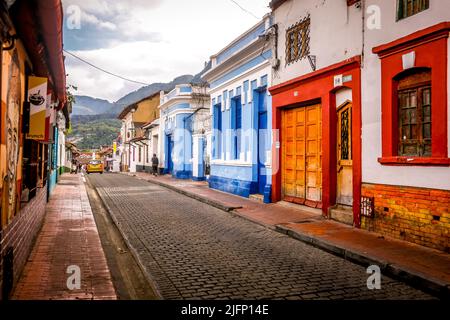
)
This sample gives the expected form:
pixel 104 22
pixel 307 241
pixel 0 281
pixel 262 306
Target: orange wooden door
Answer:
pixel 302 154
pixel 314 153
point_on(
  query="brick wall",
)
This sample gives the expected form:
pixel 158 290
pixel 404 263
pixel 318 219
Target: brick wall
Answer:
pixel 413 214
pixel 21 234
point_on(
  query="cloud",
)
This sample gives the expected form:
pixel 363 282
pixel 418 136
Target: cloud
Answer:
pixel 104 23
pixel 149 40
pixel 93 20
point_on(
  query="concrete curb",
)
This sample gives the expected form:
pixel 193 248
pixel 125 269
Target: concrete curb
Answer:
pixel 415 279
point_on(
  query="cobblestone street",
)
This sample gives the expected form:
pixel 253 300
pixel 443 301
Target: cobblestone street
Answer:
pixel 194 251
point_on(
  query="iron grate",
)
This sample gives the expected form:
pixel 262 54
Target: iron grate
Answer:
pixel 367 207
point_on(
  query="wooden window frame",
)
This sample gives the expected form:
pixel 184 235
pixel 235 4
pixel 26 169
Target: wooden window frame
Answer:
pixel 417 6
pixel 418 88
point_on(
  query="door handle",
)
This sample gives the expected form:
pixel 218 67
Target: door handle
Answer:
pixel 340 169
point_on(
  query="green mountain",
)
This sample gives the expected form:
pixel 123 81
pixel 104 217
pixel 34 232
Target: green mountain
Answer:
pixel 94 131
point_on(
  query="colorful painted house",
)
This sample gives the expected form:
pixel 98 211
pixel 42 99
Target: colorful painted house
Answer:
pixel 133 147
pixel 361 112
pixel 405 122
pixel 317 106
pixel 183 143
pixel 32 87
pixel 241 108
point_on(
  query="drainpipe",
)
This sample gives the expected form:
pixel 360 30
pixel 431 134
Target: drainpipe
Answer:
pixel 363 33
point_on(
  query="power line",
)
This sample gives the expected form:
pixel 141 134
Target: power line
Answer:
pixel 245 10
pixel 103 70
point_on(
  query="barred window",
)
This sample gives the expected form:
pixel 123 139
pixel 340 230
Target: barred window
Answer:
pixel 407 8
pixel 297 41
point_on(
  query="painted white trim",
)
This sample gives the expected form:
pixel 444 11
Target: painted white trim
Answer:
pixel 248 73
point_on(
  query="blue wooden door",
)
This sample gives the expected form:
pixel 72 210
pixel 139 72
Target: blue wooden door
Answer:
pixel 262 142
pixel 169 154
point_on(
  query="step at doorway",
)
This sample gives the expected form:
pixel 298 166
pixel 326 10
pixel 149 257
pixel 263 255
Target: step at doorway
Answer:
pixel 257 197
pixel 343 214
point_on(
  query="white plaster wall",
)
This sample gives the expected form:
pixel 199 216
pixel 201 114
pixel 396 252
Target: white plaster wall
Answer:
pixel 335 34
pixel 61 148
pixel 343 96
pixel 195 158
pixel 372 171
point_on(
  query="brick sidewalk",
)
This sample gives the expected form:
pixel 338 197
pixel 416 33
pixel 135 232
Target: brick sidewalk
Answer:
pixel 421 266
pixel 68 237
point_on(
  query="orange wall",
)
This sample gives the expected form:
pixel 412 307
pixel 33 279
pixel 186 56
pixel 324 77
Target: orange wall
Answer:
pixel 147 110
pixel 16 112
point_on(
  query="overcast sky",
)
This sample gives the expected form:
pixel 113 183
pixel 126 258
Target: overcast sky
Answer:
pixel 149 40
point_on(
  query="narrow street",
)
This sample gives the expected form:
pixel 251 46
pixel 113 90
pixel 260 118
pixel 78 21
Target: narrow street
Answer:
pixel 194 251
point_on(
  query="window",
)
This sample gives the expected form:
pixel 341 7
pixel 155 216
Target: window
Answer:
pixel 414 119
pixel 237 126
pixel 218 131
pixel 414 114
pixel 297 41
pixel 140 153
pixel 407 8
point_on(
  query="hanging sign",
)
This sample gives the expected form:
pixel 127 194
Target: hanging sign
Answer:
pixel 37 97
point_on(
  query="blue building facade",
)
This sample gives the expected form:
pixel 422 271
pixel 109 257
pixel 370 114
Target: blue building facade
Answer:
pixel 180 145
pixel 241 113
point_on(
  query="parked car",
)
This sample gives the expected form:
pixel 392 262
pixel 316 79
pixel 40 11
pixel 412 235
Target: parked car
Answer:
pixel 94 166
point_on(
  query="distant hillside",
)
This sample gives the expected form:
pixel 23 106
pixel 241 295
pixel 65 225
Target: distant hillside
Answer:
pixel 85 105
pixel 94 131
pixel 91 106
pixel 144 92
pixel 94 121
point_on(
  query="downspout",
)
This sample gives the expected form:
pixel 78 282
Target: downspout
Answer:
pixel 363 33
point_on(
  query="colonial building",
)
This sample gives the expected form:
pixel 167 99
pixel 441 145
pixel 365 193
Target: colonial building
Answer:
pixel 32 88
pixel 184 132
pixel 361 109
pixel 317 106
pixel 242 112
pixel 405 121
pixel 134 116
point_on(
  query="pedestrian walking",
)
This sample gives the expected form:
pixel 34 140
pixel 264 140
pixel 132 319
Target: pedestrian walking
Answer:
pixel 155 164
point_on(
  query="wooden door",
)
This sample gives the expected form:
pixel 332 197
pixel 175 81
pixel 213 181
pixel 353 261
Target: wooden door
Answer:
pixel 344 156
pixel 314 153
pixel 302 155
